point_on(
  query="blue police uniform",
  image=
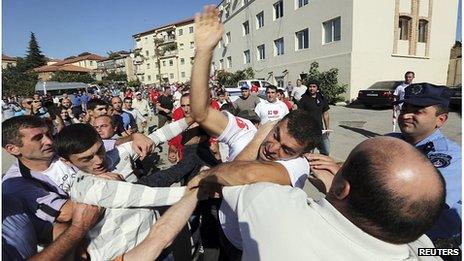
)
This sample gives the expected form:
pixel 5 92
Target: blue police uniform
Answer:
pixel 446 156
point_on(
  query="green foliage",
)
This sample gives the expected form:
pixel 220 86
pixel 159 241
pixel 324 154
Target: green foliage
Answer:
pixel 34 57
pixel 113 55
pixel 70 57
pixel 18 80
pixel 117 77
pixel 134 83
pixel 231 79
pixel 61 76
pixel 328 82
pixel 83 54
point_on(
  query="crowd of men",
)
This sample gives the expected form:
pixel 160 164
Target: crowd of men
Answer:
pixel 85 183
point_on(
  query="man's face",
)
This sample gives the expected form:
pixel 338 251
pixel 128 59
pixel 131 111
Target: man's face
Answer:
pixel 271 95
pixel 279 96
pixel 222 97
pixel 128 104
pixel 167 91
pixel 66 103
pixel 92 160
pixel 408 78
pixel 279 144
pixel 99 110
pixel 185 104
pixel 37 144
pixel 103 126
pixel 298 82
pixel 420 122
pixel 139 97
pixel 117 104
pixel 245 93
pixel 312 88
pixel 36 97
pixel 64 114
pixel 27 103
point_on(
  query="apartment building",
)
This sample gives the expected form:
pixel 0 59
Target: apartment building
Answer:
pixel 368 41
pixel 8 61
pixel 165 54
pixel 120 62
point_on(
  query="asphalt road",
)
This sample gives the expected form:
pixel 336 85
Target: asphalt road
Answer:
pixel 351 125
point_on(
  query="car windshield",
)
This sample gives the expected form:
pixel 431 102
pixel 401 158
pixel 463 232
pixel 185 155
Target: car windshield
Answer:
pixel 386 85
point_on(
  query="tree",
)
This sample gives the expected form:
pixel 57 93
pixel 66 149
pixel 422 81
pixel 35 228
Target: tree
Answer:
pixel 113 55
pixel 34 57
pixel 134 83
pixel 116 77
pixel 83 54
pixel 17 80
pixel 231 79
pixel 62 76
pixel 328 82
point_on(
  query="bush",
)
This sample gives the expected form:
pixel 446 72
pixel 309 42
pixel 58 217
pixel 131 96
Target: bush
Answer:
pixel 231 79
pixel 328 83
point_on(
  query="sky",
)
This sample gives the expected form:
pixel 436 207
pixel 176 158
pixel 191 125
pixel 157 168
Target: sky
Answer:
pixel 69 27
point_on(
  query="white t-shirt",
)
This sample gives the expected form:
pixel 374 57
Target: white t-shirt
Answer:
pixel 298 91
pixel 271 111
pixel 282 223
pixel 399 91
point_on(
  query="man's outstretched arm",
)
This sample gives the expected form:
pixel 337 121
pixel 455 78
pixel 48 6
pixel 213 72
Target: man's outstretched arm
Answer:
pixel 208 32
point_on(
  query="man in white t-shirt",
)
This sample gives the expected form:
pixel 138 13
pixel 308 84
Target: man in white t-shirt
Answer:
pixel 272 109
pixel 398 94
pixel 366 215
pixel 298 91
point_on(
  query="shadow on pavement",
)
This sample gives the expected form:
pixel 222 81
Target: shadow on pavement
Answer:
pixel 366 133
pixel 355 105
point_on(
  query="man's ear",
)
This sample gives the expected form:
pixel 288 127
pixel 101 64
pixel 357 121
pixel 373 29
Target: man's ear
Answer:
pixel 441 119
pixel 341 189
pixel 13 150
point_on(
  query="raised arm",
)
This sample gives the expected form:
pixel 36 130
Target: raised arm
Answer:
pixel 208 32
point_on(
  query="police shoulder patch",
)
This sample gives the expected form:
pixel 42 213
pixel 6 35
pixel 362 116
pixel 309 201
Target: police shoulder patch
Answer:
pixel 439 160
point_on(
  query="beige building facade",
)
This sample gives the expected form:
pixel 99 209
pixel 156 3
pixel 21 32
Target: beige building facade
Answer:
pixel 368 41
pixel 8 61
pixel 165 53
pixel 123 63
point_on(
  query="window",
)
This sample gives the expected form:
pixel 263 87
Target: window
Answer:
pixel 182 61
pixel 147 53
pixel 221 64
pixel 302 39
pixel 91 63
pixel 181 46
pixel 192 60
pixel 164 63
pixel 149 77
pixel 332 30
pixel 192 45
pixel 229 62
pixel 246 56
pixel 278 10
pixel 182 74
pixel 279 46
pixel 280 81
pixel 148 66
pixel 228 38
pixel 260 20
pixel 404 26
pixel 171 63
pixel 143 78
pixel 171 76
pixel 227 12
pixel 423 28
pixel 191 29
pixel 302 3
pixel 261 52
pixel 246 28
pixel 181 32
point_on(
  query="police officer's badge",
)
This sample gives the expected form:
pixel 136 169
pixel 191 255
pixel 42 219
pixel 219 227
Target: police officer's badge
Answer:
pixel 416 89
pixel 440 160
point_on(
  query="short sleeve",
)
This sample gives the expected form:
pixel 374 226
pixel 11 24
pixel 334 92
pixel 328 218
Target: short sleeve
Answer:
pixel 298 170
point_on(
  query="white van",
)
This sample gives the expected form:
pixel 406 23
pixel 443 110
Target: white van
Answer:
pixel 260 83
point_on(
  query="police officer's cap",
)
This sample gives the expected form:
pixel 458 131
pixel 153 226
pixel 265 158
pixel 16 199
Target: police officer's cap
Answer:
pixel 426 94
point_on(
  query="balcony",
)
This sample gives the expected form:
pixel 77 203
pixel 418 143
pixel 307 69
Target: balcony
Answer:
pixel 170 53
pixel 165 39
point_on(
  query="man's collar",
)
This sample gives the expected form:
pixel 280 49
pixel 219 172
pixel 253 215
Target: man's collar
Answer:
pixel 436 134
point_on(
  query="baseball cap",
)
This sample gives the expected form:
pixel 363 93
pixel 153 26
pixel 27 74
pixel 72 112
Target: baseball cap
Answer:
pixel 244 86
pixel 426 94
pixel 138 93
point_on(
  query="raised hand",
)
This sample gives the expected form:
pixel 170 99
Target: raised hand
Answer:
pixel 208 29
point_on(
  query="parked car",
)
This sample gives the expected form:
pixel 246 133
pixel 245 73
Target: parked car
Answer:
pixel 379 94
pixel 456 97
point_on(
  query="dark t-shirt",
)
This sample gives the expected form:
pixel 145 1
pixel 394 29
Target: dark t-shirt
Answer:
pixel 315 106
pixel 166 102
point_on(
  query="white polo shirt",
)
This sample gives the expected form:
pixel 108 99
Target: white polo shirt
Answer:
pixel 281 223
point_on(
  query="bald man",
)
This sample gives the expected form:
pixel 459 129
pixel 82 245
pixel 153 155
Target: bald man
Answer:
pixel 373 210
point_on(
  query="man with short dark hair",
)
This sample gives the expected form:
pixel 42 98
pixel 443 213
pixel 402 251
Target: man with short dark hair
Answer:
pixel 272 108
pixel 247 101
pixel 125 120
pixel 164 106
pixel 367 213
pixel 424 112
pixel 315 103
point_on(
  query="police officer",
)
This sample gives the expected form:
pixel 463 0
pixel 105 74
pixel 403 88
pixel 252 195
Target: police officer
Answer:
pixel 424 112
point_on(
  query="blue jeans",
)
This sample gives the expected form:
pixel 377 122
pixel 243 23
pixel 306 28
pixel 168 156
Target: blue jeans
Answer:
pixel 324 146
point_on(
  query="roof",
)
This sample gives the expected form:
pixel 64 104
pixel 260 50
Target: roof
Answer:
pixel 81 58
pixel 66 68
pixel 60 85
pixel 180 22
pixel 8 58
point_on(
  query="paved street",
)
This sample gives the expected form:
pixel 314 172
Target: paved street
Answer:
pixel 351 125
